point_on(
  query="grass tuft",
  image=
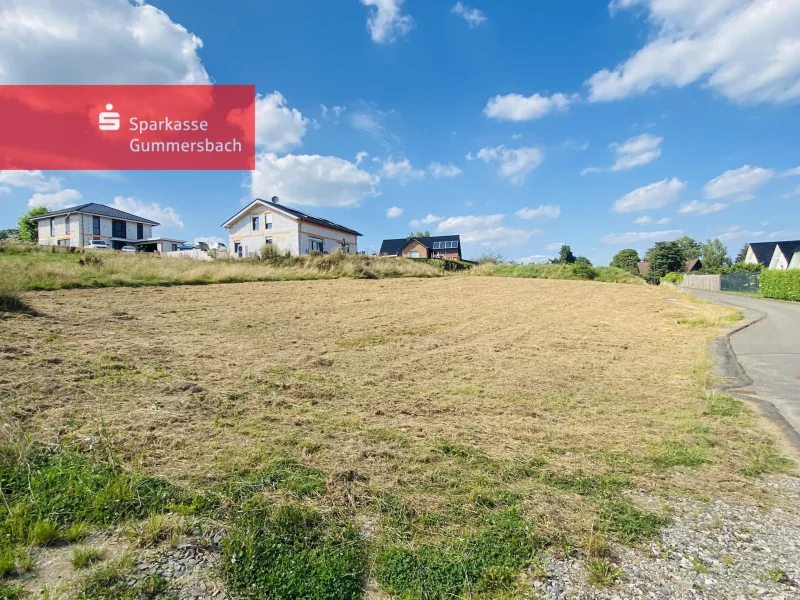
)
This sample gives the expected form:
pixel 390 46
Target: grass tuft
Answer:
pixel 293 552
pixel 44 533
pixel 675 454
pixel 602 573
pixel 85 557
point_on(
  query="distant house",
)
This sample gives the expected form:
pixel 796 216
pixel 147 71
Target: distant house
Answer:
pixel 795 262
pixel 265 222
pixel 442 246
pixel 772 255
pixel 688 267
pixel 78 225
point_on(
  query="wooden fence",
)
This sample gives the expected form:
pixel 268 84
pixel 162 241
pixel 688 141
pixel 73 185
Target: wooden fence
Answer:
pixel 702 282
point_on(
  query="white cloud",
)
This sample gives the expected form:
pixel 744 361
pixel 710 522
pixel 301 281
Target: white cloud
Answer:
pixel 536 259
pixel 93 42
pixel 793 193
pixel 401 170
pixel 641 236
pixel 30 180
pixel 278 128
pixel 740 183
pixel 210 239
pixel 651 196
pixel 547 211
pixel 515 163
pixel 587 170
pixel 56 200
pixel 4 189
pixel 473 16
pixel 636 151
pixel 555 246
pixel 736 231
pixel 336 110
pixel 485 230
pixel 386 23
pixel 439 170
pixel 702 208
pixel 165 215
pixel 651 221
pixel 430 219
pixel 394 212
pixel 516 107
pixel 791 172
pixel 361 156
pixel 311 180
pixel 747 50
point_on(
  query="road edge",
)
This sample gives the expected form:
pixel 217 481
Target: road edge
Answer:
pixel 733 375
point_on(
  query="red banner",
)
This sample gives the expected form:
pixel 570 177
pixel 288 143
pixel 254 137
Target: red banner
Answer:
pixel 127 127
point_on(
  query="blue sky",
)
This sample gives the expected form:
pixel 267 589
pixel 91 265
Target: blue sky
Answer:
pixel 518 124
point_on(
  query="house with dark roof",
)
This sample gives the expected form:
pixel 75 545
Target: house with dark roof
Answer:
pixel 264 222
pixel 440 246
pixel 689 266
pixel 772 255
pixel 76 226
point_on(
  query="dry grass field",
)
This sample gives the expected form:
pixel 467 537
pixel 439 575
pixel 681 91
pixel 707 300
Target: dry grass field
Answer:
pixel 422 410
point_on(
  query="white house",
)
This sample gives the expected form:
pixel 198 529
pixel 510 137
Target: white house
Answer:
pixel 267 222
pixel 782 256
pixel 795 262
pixel 78 225
pixel 773 255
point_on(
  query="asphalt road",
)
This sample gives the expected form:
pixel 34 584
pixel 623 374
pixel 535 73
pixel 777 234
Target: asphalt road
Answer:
pixel 769 351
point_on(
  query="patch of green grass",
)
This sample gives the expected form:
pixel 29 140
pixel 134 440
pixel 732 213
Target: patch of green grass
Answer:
pixel 763 459
pixel 628 523
pixel 85 557
pixel 8 561
pixel 280 474
pixel 675 454
pixel 599 486
pixel 486 562
pixel 602 573
pixel 46 492
pixel 156 529
pixel 293 552
pixel 725 406
pixel 720 321
pixel 77 531
pixel 110 582
pixel 778 576
pixel 44 533
pixel 11 592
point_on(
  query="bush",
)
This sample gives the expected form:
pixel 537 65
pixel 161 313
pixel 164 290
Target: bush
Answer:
pixel 583 270
pixel 293 552
pixel 673 277
pixel 782 285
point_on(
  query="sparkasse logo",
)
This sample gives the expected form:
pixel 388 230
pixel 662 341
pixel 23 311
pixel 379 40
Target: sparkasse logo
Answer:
pixel 109 121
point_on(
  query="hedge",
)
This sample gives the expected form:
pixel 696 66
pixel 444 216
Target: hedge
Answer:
pixel 783 285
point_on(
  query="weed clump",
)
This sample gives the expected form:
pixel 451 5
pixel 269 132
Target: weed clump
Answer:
pixel 293 552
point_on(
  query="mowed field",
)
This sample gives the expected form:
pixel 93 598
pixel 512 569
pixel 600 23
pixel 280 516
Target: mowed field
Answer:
pixel 421 410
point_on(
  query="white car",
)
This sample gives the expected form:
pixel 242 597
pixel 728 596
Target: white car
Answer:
pixel 219 247
pixel 128 248
pixel 98 245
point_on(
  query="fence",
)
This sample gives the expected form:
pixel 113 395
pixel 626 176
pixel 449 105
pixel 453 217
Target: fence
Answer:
pixel 740 282
pixel 702 282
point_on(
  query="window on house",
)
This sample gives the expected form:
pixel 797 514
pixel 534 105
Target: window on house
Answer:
pixel 96 225
pixel 174 247
pixel 268 221
pixel 139 231
pixel 413 254
pixel 315 244
pixel 267 240
pixel 63 242
pixel 255 224
pixel 66 224
pixel 52 227
pixel 118 229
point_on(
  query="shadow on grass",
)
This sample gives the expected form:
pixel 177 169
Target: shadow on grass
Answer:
pixel 12 303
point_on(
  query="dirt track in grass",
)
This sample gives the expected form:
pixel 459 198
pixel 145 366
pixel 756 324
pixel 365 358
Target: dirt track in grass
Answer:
pixel 390 386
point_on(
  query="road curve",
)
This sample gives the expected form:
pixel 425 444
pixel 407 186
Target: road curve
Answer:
pixel 769 351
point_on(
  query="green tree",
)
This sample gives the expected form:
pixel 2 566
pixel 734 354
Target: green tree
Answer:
pixel 742 254
pixel 28 229
pixel 582 260
pixel 715 255
pixel 665 257
pixel 691 248
pixel 565 256
pixel 419 234
pixel 626 259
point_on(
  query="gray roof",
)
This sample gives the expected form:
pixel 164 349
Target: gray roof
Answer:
pixel 396 245
pixel 763 251
pixel 100 210
pixel 788 249
pixel 302 216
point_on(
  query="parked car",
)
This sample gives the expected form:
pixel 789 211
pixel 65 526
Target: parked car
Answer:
pixel 98 245
pixel 189 246
pixel 202 246
pixel 219 246
pixel 128 248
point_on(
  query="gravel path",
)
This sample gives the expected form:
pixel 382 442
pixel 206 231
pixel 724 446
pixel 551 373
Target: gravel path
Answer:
pixel 711 550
